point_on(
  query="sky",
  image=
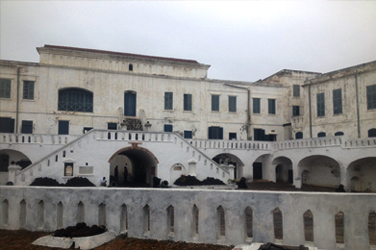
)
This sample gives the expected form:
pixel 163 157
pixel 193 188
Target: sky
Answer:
pixel 241 40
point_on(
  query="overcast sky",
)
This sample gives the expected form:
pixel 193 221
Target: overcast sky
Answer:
pixel 246 41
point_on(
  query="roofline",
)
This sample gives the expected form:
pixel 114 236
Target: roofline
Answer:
pixel 48 46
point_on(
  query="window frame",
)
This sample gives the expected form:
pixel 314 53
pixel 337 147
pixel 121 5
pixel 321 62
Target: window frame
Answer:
pixel 337 101
pixel 5 88
pixel 272 106
pixel 166 128
pixel 256 105
pixel 215 100
pixel 188 134
pixel 295 110
pixel 296 90
pixel 84 100
pixel 232 100
pixel 187 102
pixel 371 96
pixel 320 101
pixel 28 90
pixel 26 127
pixel 168 101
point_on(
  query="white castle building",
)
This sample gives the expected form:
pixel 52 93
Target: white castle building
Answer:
pixel 82 112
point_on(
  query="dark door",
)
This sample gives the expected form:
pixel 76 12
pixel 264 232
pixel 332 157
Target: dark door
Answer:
pixel 257 171
pixel 63 127
pixel 290 176
pixel 4 162
pixel 130 104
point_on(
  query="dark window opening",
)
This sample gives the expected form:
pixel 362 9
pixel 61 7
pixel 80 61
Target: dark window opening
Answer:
pixel 168 105
pixel 271 106
pixel 372 132
pixel 338 133
pixel 337 101
pixel 371 97
pixel 5 88
pixel 215 103
pixel 232 103
pixel 63 128
pixel 167 128
pixel 256 105
pixel 130 67
pixel 295 110
pixel 215 133
pixel 257 170
pixel 187 134
pixel 6 125
pixel 321 134
pixel 74 99
pixel 187 102
pixel 259 135
pixel 27 127
pixel 28 90
pixel 299 135
pixel 4 162
pixel 112 126
pixel 296 90
pixel 232 136
pixel 320 104
pixel 130 99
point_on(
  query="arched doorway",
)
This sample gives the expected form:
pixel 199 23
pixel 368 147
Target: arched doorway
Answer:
pixel 283 170
pixel 230 162
pixel 140 164
pixel 6 157
pixel 362 175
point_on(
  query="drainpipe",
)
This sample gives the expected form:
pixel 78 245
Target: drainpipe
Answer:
pixel 357 103
pixel 248 114
pixel 310 110
pixel 18 96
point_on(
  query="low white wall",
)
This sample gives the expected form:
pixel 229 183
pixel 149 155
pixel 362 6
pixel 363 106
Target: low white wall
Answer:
pixel 44 208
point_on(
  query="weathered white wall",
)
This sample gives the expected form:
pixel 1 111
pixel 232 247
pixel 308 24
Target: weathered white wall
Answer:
pixel 324 207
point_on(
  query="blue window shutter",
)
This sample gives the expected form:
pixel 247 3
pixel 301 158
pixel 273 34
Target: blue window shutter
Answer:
pixel 129 104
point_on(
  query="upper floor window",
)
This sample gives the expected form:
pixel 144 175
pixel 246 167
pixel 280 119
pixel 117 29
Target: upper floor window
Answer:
pixel 295 110
pixel 320 104
pixel 321 134
pixel 372 132
pixel 299 135
pixel 5 88
pixel 27 127
pixel 187 134
pixel 337 101
pixel 74 99
pixel 168 101
pixel 271 106
pixel 232 103
pixel 296 90
pixel 340 133
pixel 256 105
pixel 215 103
pixel 167 128
pixel 371 97
pixel 28 90
pixel 187 102
pixel 130 67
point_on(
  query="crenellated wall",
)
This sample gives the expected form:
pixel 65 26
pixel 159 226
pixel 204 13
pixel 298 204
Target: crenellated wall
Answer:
pixel 218 217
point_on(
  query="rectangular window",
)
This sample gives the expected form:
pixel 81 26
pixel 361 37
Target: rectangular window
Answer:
pixel 337 101
pixel 232 136
pixel 87 129
pixel 320 104
pixel 296 90
pixel 167 128
pixel 295 110
pixel 27 127
pixel 215 102
pixel 216 133
pixel 168 101
pixel 63 128
pixel 371 97
pixel 271 106
pixel 256 105
pixel 232 103
pixel 6 125
pixel 187 134
pixel 4 88
pixel 187 102
pixel 28 90
pixel 112 126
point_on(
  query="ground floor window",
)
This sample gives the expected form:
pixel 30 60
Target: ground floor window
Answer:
pixel 232 136
pixel 167 128
pixel 187 134
pixel 27 127
pixel 6 125
pixel 63 128
pixel 215 133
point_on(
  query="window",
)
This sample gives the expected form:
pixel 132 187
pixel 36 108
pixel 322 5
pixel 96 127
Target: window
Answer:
pixel 232 136
pixel 130 99
pixel 28 90
pixel 4 88
pixel 215 102
pixel 295 110
pixel 299 135
pixel 130 67
pixel 6 125
pixel 337 101
pixel 216 133
pixel 271 106
pixel 371 97
pixel 296 90
pixel 187 102
pixel 63 128
pixel 256 105
pixel 74 99
pixel 338 133
pixel 168 101
pixel 87 129
pixel 320 104
pixel 187 134
pixel 167 128
pixel 232 103
pixel 27 127
pixel 321 134
pixel 372 132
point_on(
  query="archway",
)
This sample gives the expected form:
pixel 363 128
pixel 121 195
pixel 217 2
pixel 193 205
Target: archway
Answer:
pixel 362 175
pixel 260 169
pixel 321 171
pixel 283 170
pixel 6 157
pixel 140 163
pixel 230 161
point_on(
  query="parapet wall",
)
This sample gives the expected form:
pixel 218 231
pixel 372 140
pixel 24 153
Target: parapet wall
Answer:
pixel 219 217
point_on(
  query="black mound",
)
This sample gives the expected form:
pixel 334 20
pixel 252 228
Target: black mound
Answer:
pixel 80 230
pixel 79 182
pixel 46 182
pixel 189 180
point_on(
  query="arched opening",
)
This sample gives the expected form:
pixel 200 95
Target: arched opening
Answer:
pixel 40 215
pixel 372 228
pixel 319 172
pixel 22 213
pixel 5 212
pixel 372 132
pixel 136 167
pixel 176 171
pixel 278 224
pixel 7 156
pixel 59 215
pixel 123 218
pixel 195 215
pixel 258 168
pixel 283 170
pixel 339 219
pixel 308 226
pixel 146 217
pixel 248 213
pixel 75 99
pixel 170 220
pixel 221 223
pixel 362 175
pixel 339 133
pixel 321 134
pixel 102 214
pixel 299 135
pixel 80 212
pixel 232 163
